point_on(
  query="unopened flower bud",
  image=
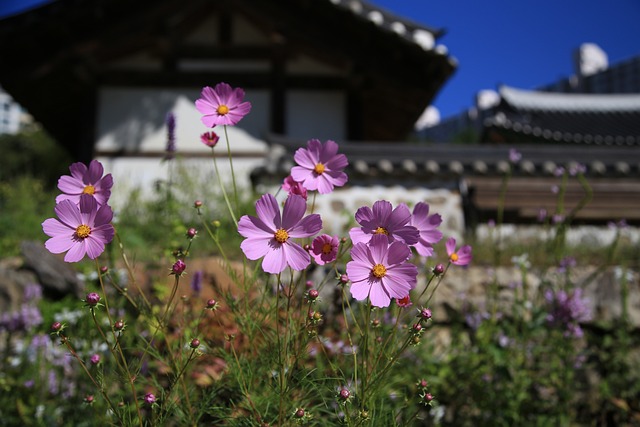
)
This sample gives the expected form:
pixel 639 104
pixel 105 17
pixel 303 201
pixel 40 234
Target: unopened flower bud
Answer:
pixel 195 343
pixel 197 204
pixel 92 299
pixel 95 359
pixel 438 269
pixel 344 279
pixel 104 269
pixel 191 233
pixel 299 413
pixel 424 313
pixel 417 327
pixel 422 383
pixel 313 294
pixel 89 399
pixel 428 397
pixel 344 394
pixel 56 327
pixel 178 267
pixel 119 326
pixel 212 304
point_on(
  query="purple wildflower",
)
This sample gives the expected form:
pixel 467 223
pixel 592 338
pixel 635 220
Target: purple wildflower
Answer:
pixel 324 249
pixel 149 398
pixel 382 219
pixel 426 225
pixel 222 105
pixel 82 229
pixel 461 257
pixel 320 167
pixel 170 151
pixel 196 282
pixel 291 186
pixel 85 180
pixel 514 155
pixel 567 310
pixel 269 234
pixel 380 271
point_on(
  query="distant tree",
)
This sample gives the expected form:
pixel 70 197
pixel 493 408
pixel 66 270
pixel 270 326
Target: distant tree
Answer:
pixel 32 153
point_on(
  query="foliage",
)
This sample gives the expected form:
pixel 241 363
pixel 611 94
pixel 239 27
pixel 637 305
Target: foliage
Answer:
pixel 150 345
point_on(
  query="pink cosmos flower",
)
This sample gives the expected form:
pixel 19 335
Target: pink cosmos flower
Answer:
pixel 426 225
pixel 210 139
pixel 380 271
pixel 269 234
pixel 320 166
pixel 461 257
pixel 222 105
pixel 324 249
pixel 291 186
pixel 382 219
pixel 82 229
pixel 85 180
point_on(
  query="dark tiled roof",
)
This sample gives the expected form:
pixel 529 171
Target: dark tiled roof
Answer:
pixel 585 119
pixel 407 163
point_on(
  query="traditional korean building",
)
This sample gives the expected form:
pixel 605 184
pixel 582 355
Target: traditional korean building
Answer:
pixel 101 75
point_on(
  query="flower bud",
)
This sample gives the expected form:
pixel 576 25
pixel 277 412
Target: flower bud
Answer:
pixel 424 313
pixel 212 304
pixel 92 299
pixel 313 294
pixel 438 269
pixel 104 269
pixel 56 327
pixel 197 204
pixel 299 413
pixel 191 233
pixel 95 359
pixel 195 343
pixel 178 267
pixel 344 279
pixel 119 326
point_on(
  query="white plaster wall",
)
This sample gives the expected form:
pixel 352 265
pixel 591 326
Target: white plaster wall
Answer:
pixel 133 121
pixel 339 207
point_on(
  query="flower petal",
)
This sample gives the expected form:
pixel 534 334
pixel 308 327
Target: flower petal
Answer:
pixel 256 247
pixel 307 227
pixel 76 252
pixel 59 244
pixel 379 296
pixel 450 245
pixel 275 260
pixel 252 227
pixel 293 211
pixel 297 258
pixel 360 290
pixel 268 211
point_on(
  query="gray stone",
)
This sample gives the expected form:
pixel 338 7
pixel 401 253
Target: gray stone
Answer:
pixel 56 277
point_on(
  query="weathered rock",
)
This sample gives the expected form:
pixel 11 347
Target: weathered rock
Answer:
pixel 12 283
pixel 464 288
pixel 56 277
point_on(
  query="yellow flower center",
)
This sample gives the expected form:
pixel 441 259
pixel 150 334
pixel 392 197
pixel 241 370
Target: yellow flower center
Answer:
pixel 453 257
pixel 281 235
pixel 379 270
pixel 222 109
pixel 319 169
pixel 381 230
pixel 83 231
pixel 326 248
pixel 89 189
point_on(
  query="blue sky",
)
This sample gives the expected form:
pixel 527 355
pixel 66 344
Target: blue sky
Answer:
pixel 520 43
